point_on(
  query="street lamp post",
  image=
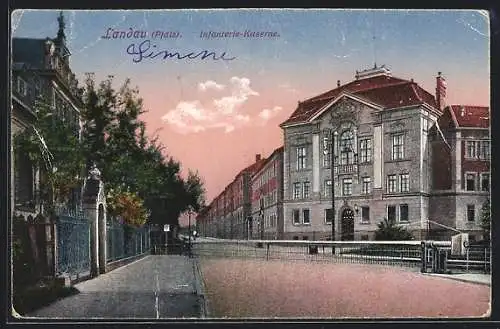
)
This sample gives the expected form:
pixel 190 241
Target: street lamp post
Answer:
pixel 189 225
pixel 332 175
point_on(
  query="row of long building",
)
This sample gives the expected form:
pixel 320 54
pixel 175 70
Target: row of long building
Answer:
pixel 398 152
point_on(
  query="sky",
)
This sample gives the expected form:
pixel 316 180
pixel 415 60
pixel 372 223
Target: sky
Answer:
pixel 215 115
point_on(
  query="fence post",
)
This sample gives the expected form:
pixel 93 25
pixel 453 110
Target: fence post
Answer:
pixel 267 252
pixel 423 268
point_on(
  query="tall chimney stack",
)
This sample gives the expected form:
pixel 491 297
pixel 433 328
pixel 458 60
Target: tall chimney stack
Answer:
pixel 440 91
pixel 257 157
pixel 338 83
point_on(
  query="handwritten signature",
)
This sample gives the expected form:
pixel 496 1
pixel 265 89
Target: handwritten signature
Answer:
pixel 147 50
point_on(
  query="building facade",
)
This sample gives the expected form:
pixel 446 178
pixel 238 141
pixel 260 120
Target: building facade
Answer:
pixel 376 127
pixel 41 76
pixel 461 167
pixel 267 198
pixel 392 150
pixel 228 214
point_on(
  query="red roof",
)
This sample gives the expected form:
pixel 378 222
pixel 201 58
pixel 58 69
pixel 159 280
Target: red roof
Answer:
pixel 384 90
pixel 471 116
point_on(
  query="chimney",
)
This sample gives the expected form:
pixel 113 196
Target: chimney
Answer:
pixel 338 83
pixel 257 157
pixel 440 91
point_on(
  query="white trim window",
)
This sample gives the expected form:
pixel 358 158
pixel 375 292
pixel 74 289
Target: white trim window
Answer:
pixel 328 216
pixel 404 182
pixel 365 150
pixel 347 186
pixel 296 216
pixel 306 190
pixel 301 157
pixel 296 190
pixel 470 181
pixel 306 216
pixel 328 188
pixel 471 213
pixel 403 212
pixel 326 152
pixel 485 150
pixel 391 183
pixel 366 186
pixel 391 213
pixel 22 86
pixel 397 146
pixel 485 181
pixel 365 214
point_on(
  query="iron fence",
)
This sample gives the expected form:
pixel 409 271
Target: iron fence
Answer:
pixel 401 253
pixel 73 245
pixel 125 241
pixel 429 256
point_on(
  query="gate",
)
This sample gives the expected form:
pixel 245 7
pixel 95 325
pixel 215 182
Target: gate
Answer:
pixel 73 245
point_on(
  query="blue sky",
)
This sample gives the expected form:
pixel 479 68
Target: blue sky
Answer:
pixel 252 94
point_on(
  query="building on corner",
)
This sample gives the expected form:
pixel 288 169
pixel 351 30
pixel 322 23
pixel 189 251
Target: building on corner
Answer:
pixel 460 144
pixel 267 198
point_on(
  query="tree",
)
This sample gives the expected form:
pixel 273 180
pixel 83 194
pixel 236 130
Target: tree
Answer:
pixel 130 161
pixel 486 219
pixel 388 230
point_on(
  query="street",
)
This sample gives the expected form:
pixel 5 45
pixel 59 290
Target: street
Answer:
pixel 154 287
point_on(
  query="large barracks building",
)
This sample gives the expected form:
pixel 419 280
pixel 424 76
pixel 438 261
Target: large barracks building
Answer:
pixel 398 152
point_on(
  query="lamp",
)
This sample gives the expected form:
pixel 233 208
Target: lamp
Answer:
pixel 356 209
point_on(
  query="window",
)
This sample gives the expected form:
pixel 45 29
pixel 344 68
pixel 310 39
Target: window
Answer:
pixel 301 157
pixel 346 150
pixel 485 150
pixel 366 187
pixel 470 213
pixel 296 190
pixel 328 188
pixel 365 150
pixel 307 186
pixel 404 182
pixel 347 186
pixel 326 152
pixel 364 237
pixel 305 216
pixel 365 214
pixel 22 86
pixel 471 149
pixel 305 237
pixel 470 181
pixel 391 213
pixel 296 216
pixel 328 215
pixel 391 183
pixel 485 182
pixel 397 146
pixel 403 212
pixel 295 237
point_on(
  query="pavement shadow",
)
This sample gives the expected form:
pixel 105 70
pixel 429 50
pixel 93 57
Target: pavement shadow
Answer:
pixel 33 298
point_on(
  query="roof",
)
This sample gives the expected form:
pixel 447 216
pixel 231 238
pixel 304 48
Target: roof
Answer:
pixel 277 150
pixel 470 116
pixel 29 51
pixel 384 90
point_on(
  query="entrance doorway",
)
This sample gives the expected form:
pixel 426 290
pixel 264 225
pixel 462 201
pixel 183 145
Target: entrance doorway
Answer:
pixel 347 225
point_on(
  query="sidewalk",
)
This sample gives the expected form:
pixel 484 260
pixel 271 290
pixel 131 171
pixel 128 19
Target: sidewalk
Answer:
pixel 484 279
pixel 153 287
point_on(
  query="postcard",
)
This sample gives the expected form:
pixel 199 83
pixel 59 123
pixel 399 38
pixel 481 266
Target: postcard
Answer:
pixel 250 164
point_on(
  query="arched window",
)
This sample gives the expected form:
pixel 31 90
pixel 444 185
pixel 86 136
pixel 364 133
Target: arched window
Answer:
pixel 346 147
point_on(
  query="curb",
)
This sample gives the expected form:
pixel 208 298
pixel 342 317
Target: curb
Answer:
pixel 200 288
pixel 459 279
